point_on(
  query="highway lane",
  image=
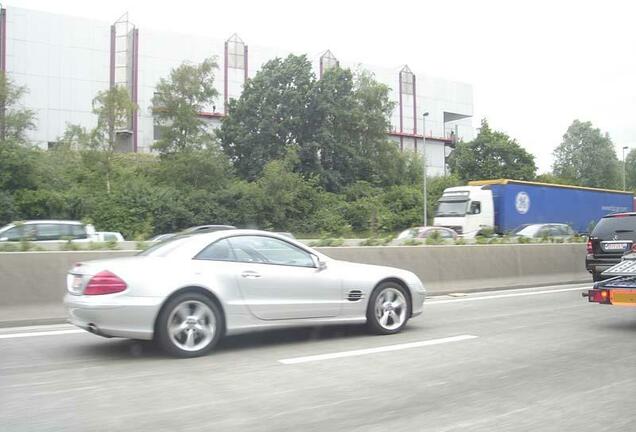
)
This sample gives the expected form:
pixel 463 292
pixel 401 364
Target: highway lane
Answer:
pixel 525 360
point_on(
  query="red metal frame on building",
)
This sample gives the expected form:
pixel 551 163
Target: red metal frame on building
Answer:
pixel 414 105
pixel 417 136
pixel 3 42
pixel 211 114
pixel 400 105
pixel 245 62
pixel 134 89
pixel 113 35
pixel 225 78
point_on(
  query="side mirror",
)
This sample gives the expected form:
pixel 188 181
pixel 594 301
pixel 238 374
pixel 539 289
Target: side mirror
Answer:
pixel 320 265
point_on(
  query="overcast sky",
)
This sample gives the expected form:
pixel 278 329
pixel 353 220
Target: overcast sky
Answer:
pixel 534 66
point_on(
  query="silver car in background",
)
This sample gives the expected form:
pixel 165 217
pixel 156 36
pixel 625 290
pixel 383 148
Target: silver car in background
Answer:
pixel 188 292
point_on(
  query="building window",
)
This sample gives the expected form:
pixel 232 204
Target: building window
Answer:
pixel 406 81
pixel 328 61
pixel 235 52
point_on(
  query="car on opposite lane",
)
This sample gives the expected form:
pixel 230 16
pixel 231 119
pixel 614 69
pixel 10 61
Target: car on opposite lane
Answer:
pixel 425 232
pixel 189 291
pixel 544 230
pixel 46 231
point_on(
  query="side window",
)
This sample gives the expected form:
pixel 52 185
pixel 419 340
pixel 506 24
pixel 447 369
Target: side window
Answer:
pixel 544 232
pixel 217 251
pixel 475 207
pixel 12 234
pixel 50 231
pixel 445 234
pixel 260 249
pixel 78 231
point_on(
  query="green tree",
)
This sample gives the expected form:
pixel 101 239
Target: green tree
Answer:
pixel 492 154
pixel 177 104
pixel 630 170
pixel 586 157
pixel 113 108
pixel 349 116
pixel 15 120
pixel 553 179
pixel 337 125
pixel 17 158
pixel 270 116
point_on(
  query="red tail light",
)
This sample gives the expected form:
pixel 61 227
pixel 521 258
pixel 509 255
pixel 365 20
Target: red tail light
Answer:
pixel 589 247
pixel 104 282
pixel 599 296
pixel 633 247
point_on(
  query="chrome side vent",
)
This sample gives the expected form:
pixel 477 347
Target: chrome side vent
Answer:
pixel 355 295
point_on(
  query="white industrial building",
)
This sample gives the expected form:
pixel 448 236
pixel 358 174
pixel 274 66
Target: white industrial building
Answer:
pixel 64 61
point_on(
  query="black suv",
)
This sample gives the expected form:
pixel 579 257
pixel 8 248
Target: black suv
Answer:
pixel 612 236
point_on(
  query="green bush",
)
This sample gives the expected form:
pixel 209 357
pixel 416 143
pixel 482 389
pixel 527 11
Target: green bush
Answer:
pixel 486 232
pixel 328 242
pixel 25 245
pixel 70 246
pixel 9 247
pixel 96 245
pixel 434 239
pixel 412 242
pixel 376 241
pixel 460 241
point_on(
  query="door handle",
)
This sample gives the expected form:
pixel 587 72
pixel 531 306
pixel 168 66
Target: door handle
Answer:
pixel 250 274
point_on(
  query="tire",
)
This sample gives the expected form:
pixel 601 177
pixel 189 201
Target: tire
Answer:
pixel 189 325
pixel 596 276
pixel 389 309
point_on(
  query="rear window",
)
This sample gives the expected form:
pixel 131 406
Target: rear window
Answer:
pixel 624 225
pixel 165 247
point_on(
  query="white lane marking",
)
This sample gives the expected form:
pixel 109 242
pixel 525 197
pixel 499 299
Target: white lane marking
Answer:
pixel 366 351
pixel 43 333
pixel 521 294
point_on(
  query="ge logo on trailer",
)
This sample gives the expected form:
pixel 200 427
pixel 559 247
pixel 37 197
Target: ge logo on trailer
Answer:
pixel 522 203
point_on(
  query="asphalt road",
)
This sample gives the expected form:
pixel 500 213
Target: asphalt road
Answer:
pixel 541 359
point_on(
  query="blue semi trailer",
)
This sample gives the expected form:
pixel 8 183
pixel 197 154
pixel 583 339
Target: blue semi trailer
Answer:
pixel 504 205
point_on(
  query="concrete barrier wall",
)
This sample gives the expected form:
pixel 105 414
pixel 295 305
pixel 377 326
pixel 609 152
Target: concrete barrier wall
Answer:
pixel 32 284
pixel 445 269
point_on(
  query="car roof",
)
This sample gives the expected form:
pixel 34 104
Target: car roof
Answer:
pixel 44 221
pixel 196 242
pixel 58 221
pixel 623 214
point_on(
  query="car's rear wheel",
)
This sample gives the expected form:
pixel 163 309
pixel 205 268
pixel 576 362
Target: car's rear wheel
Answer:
pixel 189 325
pixel 388 309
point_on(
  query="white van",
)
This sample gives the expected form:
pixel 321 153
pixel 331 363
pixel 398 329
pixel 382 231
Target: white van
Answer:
pixel 47 231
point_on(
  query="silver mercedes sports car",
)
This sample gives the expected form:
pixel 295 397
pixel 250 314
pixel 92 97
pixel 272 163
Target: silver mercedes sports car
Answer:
pixel 189 291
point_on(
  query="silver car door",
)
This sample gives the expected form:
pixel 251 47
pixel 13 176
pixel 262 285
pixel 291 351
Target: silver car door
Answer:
pixel 280 281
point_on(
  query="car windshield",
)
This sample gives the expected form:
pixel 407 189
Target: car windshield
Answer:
pixel 528 231
pixel 625 226
pixel 451 208
pixel 408 234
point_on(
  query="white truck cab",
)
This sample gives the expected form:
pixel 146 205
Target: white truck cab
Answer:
pixel 466 209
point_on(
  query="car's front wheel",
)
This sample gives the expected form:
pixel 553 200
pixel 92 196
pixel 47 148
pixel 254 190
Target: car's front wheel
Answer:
pixel 388 309
pixel 189 325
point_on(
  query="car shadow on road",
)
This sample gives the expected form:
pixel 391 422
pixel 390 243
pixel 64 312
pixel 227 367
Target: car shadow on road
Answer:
pixel 626 325
pixel 125 349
